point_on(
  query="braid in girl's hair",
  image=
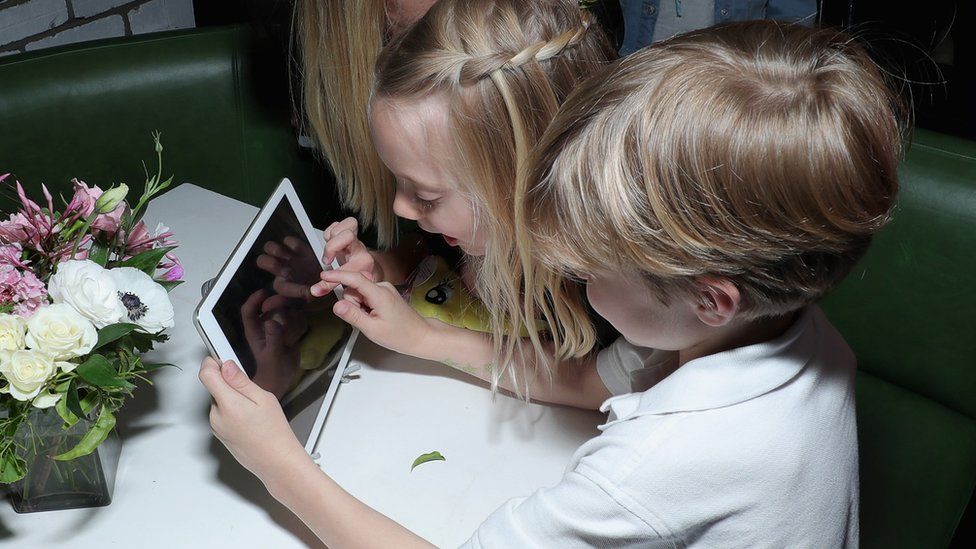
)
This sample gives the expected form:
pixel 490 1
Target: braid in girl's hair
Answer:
pixel 503 67
pixel 476 68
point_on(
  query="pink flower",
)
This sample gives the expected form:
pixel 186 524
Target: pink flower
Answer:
pixel 109 223
pixel 10 255
pixel 139 240
pixel 24 230
pixel 174 269
pixel 63 253
pixel 21 288
pixel 83 201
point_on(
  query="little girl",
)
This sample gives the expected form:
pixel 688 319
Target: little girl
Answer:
pixel 710 189
pixel 458 101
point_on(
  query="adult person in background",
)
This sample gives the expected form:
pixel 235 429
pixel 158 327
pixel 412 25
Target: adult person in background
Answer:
pixel 647 21
pixel 338 42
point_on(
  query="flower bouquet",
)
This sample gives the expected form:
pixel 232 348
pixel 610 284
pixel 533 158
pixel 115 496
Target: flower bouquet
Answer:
pixel 83 294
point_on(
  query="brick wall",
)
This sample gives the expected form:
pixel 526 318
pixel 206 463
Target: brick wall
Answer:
pixel 27 25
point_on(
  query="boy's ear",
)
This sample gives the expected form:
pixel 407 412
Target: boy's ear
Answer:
pixel 718 301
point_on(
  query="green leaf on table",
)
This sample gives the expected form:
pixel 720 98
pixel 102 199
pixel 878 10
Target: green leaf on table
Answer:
pixel 99 253
pixel 114 332
pixel 424 458
pixel 148 260
pixel 95 436
pixel 12 468
pixel 98 371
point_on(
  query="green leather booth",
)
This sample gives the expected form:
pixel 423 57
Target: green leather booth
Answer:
pixel 220 97
pixel 907 311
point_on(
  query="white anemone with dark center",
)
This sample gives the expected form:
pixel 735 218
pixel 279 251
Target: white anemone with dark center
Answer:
pixel 134 307
pixel 145 301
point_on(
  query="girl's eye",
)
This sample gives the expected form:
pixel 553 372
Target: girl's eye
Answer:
pixel 427 204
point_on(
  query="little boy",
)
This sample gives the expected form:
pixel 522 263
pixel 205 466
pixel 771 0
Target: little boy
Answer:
pixel 711 189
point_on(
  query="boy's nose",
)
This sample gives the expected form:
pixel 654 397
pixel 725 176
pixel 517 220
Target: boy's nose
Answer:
pixel 404 208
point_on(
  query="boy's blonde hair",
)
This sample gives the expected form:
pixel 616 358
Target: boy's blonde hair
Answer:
pixel 504 66
pixel 339 42
pixel 762 152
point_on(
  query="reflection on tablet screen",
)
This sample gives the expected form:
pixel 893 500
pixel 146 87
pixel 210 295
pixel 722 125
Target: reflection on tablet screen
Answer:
pixel 288 342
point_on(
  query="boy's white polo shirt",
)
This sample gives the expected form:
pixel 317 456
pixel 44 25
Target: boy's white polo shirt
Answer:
pixel 752 447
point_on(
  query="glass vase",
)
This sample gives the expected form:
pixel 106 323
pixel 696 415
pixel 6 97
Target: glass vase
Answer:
pixel 52 485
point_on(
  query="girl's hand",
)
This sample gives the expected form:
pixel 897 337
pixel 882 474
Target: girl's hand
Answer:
pixel 342 243
pixel 249 421
pixel 381 314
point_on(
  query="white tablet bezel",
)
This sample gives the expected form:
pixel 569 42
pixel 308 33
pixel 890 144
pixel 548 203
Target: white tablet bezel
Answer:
pixel 213 336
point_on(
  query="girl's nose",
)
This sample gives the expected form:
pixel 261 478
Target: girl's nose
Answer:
pixel 405 208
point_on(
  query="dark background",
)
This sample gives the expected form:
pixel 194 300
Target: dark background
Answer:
pixel 928 48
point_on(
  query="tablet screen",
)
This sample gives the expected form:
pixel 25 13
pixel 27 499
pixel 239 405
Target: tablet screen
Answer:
pixel 287 341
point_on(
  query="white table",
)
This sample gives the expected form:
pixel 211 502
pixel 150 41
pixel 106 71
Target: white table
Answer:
pixel 178 487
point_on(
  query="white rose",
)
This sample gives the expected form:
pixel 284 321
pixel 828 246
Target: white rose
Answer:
pixel 12 330
pixel 60 331
pixel 26 372
pixel 145 301
pixel 87 287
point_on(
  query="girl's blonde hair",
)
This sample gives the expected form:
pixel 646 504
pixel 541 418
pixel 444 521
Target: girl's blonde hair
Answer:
pixel 504 66
pixel 338 44
pixel 762 152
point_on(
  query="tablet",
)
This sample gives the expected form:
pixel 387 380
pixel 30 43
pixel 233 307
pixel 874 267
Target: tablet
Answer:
pixel 260 313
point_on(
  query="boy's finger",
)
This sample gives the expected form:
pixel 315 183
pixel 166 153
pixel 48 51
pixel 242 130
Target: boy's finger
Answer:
pixel 211 378
pixel 236 380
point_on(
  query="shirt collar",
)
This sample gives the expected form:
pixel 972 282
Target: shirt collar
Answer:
pixel 726 378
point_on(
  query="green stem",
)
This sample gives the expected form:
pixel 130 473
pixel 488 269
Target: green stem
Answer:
pixel 83 232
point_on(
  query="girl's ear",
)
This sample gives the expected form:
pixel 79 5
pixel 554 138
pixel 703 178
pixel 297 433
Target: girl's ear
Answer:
pixel 718 301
